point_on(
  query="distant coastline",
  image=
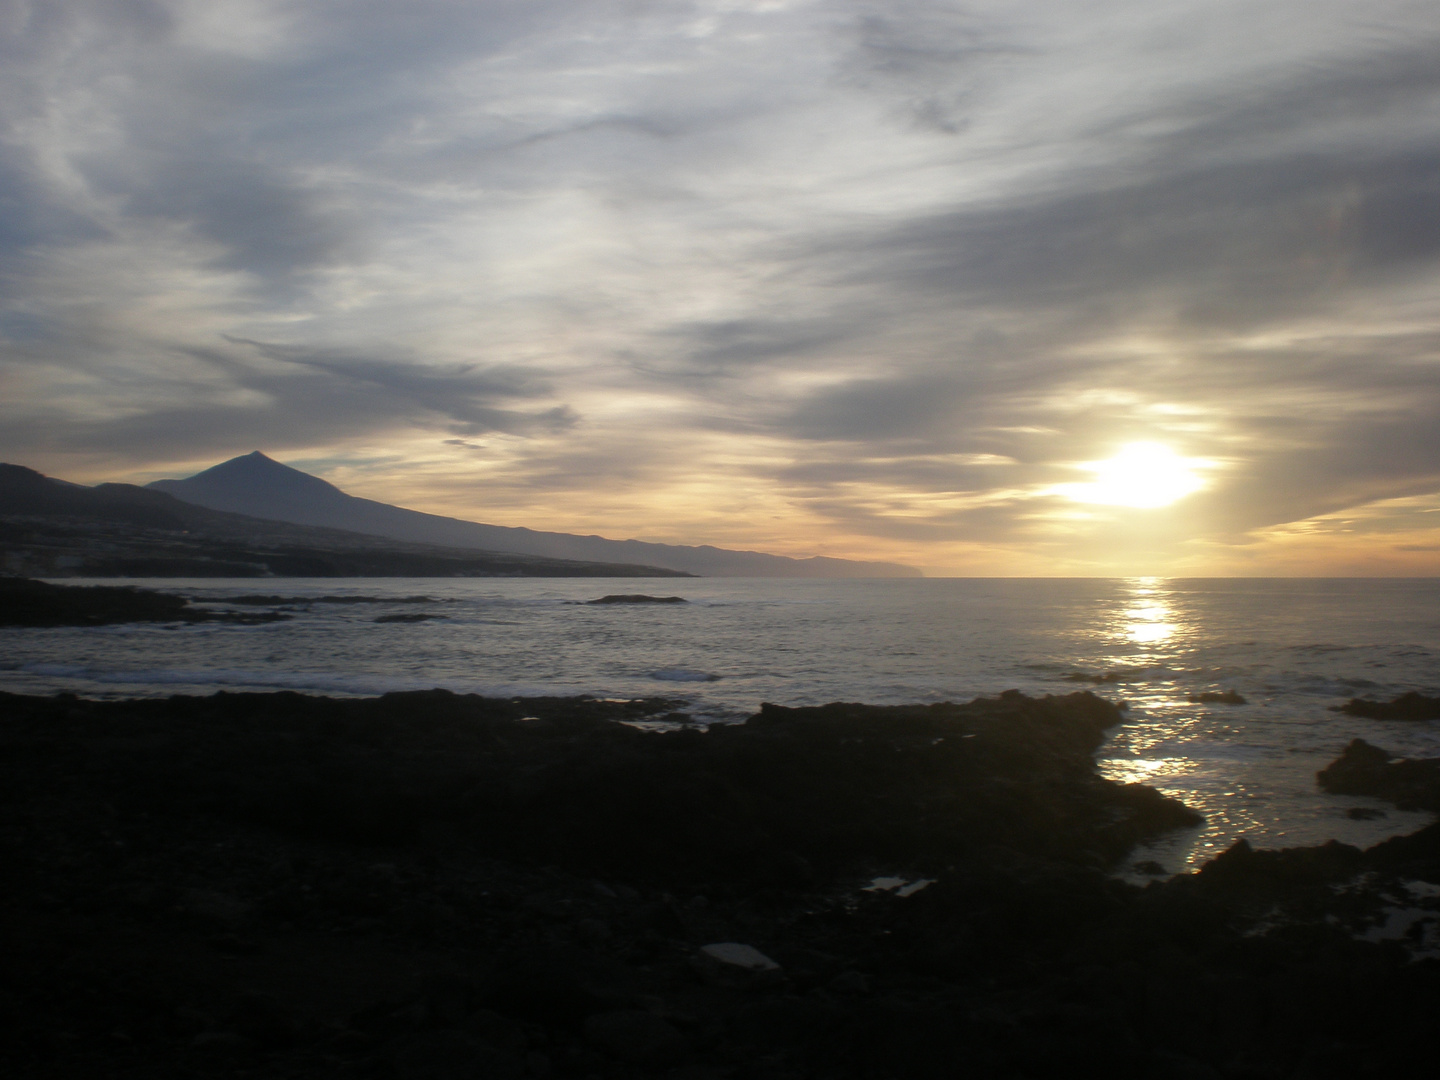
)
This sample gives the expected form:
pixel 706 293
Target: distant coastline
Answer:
pixel 53 529
pixel 258 486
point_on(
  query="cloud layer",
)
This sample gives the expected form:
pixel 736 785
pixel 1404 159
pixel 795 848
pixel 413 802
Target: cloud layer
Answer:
pixel 818 276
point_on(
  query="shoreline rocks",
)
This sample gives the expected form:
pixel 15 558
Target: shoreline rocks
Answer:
pixel 1410 706
pixel 25 602
pixel 1363 769
pixel 432 884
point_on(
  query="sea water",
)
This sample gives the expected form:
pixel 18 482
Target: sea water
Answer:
pixel 1293 648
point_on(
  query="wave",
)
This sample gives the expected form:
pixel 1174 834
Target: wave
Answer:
pixel 684 675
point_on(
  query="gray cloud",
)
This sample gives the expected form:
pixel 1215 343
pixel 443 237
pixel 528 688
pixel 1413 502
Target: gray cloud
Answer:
pixel 912 260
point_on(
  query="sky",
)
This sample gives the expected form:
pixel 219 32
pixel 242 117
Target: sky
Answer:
pixel 1042 287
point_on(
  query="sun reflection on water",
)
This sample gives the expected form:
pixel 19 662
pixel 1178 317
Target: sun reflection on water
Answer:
pixel 1148 619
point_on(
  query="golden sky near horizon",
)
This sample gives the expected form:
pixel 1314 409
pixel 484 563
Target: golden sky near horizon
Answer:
pixel 1026 288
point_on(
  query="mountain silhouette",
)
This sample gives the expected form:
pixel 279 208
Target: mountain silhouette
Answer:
pixel 52 528
pixel 261 487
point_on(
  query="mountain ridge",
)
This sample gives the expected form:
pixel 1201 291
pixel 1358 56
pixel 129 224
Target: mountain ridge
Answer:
pixel 258 486
pixel 53 528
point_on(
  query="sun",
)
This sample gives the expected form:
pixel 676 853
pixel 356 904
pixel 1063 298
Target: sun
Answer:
pixel 1141 474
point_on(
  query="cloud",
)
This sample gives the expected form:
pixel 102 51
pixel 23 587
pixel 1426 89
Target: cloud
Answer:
pixel 889 270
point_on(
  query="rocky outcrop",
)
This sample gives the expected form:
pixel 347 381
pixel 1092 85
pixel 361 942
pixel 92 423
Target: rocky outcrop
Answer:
pixel 1364 769
pixel 637 598
pixel 1409 706
pixel 1217 697
pixel 37 603
pixel 430 885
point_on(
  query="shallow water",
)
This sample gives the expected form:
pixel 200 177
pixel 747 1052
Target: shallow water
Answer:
pixel 1291 647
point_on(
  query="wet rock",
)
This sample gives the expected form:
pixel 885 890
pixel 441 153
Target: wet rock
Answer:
pixel 637 598
pixel 1410 706
pixel 24 602
pixel 255 599
pixel 1364 769
pixel 1241 865
pixel 1365 813
pixel 636 1037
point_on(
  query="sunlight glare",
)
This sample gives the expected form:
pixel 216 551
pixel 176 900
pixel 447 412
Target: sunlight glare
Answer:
pixel 1141 474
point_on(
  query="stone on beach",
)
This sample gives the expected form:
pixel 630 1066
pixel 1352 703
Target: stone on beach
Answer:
pixel 736 966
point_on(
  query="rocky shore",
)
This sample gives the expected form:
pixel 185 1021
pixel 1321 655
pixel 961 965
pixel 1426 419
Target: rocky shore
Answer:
pixel 428 886
pixel 24 602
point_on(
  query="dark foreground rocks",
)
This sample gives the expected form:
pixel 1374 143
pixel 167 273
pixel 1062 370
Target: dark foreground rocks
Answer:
pixel 431 886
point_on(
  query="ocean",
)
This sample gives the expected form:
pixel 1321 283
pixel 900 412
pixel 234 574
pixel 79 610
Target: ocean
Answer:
pixel 1293 648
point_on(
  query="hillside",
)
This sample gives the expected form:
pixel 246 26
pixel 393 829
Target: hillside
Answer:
pixel 51 528
pixel 261 487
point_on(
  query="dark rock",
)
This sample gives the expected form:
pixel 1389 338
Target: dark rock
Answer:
pixel 636 1037
pixel 736 966
pixel 294 820
pixel 849 983
pixel 222 1043
pixel 217 908
pixel 637 598
pixel 1364 769
pixel 1364 813
pixel 1410 706
pixel 37 603
pixel 265 1022
pixel 1416 855
pixel 545 986
pixel 255 599
pixel 790 798
pixel 451 1055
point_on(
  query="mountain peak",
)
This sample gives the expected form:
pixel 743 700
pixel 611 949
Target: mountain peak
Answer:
pixel 261 487
pixel 250 475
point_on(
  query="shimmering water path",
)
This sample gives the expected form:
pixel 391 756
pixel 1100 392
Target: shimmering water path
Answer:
pixel 1292 648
